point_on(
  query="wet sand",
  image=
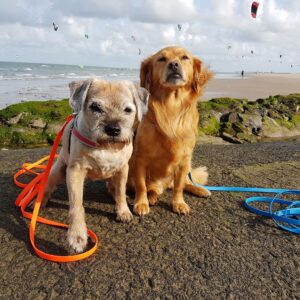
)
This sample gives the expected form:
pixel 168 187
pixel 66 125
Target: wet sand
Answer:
pixel 253 86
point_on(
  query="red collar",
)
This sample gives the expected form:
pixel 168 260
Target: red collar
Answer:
pixel 87 141
pixel 83 139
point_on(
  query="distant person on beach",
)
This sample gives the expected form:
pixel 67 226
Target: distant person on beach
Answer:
pixel 242 73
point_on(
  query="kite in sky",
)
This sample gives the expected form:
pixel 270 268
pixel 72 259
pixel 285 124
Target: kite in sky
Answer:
pixel 179 27
pixel 254 8
pixel 55 27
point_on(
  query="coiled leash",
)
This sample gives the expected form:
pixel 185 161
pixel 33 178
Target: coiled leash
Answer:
pixel 34 191
pixel 290 216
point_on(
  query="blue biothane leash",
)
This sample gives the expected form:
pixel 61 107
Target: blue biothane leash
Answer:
pixel 287 218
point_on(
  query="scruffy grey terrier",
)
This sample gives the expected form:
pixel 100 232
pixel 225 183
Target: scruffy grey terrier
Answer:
pixel 97 145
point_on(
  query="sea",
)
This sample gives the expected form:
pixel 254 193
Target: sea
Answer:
pixel 21 82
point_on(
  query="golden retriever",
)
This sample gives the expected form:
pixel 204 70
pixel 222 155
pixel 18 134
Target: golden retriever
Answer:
pixel 166 136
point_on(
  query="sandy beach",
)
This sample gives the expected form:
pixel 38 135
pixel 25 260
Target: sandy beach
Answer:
pixel 253 86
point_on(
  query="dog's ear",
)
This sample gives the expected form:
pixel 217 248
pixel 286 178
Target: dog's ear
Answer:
pixel 141 102
pixel 141 97
pixel 78 92
pixel 145 73
pixel 200 77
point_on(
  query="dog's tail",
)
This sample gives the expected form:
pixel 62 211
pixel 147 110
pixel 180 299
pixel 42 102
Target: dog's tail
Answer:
pixel 200 176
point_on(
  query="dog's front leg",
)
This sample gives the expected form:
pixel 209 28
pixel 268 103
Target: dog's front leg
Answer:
pixel 141 204
pixel 178 204
pixel 77 232
pixel 122 209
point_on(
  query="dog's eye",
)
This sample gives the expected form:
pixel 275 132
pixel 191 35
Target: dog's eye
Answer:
pixel 184 57
pixel 96 108
pixel 128 110
pixel 162 59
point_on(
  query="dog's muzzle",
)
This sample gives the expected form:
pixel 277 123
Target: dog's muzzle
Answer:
pixel 174 72
pixel 112 130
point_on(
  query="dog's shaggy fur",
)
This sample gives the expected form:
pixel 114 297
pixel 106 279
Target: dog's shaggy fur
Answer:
pixel 166 135
pixel 107 115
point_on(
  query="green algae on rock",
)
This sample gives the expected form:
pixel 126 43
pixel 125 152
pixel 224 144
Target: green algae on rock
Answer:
pixel 235 120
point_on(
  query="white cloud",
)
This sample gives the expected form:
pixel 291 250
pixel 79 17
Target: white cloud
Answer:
pixel 93 8
pixel 208 27
pixel 167 11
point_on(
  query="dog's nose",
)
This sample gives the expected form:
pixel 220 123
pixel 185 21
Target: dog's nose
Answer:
pixel 112 130
pixel 173 66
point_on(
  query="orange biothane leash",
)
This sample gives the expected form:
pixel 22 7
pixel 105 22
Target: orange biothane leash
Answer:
pixel 35 189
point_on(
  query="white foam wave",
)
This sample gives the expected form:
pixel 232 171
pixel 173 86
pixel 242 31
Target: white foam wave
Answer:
pixel 27 69
pixel 79 77
pixel 23 74
pixel 41 76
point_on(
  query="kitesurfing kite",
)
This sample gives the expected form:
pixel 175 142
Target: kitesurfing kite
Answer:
pixel 133 37
pixel 252 51
pixel 86 36
pixel 254 8
pixel 179 27
pixel 140 52
pixel 280 55
pixel 55 27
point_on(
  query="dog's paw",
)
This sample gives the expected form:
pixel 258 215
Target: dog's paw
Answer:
pixel 181 208
pixel 141 208
pixel 152 198
pixel 77 239
pixel 124 215
pixel 205 193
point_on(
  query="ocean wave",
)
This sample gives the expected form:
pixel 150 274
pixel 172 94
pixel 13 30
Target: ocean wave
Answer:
pixel 41 76
pixel 72 74
pixel 27 69
pixel 23 74
pixel 44 66
pixel 79 77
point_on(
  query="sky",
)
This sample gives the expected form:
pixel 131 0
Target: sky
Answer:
pixel 222 33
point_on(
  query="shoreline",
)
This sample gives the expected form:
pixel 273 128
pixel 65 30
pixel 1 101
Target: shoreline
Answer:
pixel 253 86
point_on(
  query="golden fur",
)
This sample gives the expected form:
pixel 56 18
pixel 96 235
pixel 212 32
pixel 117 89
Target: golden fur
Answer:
pixel 166 135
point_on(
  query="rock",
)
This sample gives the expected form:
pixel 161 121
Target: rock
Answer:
pixel 263 112
pixel 217 115
pixel 38 124
pixel 229 138
pixel 231 117
pixel 286 118
pixel 53 128
pixel 271 129
pixel 21 129
pixel 16 119
pixel 234 117
pixel 253 121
